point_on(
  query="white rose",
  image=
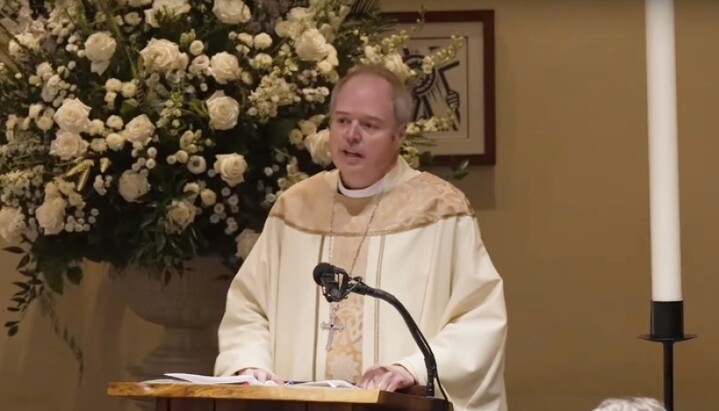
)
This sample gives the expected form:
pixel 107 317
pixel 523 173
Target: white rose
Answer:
pixel 115 141
pixel 224 67
pixel 223 111
pixel 262 41
pixel 44 123
pixel 245 242
pixel 51 215
pixel 231 168
pixel 168 7
pixel 163 56
pixel 179 215
pixel 307 127
pixel 312 46
pixel 129 89
pixel 318 145
pixel 208 197
pixel 67 145
pixel 394 63
pixel 132 185
pixel 12 224
pixel 197 47
pixel 200 64
pixel 232 11
pixel 288 29
pixel 35 110
pixel 139 130
pixel 246 38
pixel 73 116
pixel 99 48
pixel 301 14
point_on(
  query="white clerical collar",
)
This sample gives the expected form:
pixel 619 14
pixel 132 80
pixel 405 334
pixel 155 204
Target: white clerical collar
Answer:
pixel 370 191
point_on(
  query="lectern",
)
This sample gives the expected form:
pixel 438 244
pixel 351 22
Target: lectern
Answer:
pixel 191 397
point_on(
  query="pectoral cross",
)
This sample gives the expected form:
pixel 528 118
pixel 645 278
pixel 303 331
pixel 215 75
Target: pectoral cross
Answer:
pixel 333 326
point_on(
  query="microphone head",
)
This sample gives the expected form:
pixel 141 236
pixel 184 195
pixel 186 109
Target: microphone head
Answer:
pixel 322 268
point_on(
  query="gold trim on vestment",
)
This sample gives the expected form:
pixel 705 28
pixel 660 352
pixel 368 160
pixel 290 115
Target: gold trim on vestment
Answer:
pixel 378 285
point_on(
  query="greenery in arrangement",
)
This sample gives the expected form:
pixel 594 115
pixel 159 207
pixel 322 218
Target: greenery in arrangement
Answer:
pixel 148 132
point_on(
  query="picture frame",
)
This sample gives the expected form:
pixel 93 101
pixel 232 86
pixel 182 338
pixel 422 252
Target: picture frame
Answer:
pixel 465 85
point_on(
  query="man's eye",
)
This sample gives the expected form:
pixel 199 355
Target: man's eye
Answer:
pixel 369 126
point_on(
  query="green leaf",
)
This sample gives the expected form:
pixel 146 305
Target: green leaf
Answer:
pixel 14 250
pixel 74 275
pixel 54 280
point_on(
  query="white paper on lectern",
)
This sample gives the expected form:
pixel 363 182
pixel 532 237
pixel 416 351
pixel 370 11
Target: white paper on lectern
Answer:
pixel 251 380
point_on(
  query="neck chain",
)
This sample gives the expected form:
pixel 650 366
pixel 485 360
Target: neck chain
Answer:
pixel 364 236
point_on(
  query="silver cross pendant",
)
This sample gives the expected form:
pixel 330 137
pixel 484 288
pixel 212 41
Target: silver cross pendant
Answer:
pixel 333 326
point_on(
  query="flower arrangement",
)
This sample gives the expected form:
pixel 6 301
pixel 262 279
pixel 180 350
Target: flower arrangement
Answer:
pixel 151 131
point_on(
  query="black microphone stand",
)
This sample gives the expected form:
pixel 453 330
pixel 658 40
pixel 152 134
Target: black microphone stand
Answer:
pixel 342 289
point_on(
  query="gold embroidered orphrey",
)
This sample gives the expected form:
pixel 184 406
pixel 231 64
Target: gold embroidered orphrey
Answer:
pixel 334 325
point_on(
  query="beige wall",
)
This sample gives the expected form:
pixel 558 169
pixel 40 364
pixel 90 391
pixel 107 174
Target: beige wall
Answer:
pixel 564 214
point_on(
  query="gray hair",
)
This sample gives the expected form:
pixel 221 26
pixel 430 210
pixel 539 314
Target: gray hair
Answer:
pixel 630 404
pixel 402 99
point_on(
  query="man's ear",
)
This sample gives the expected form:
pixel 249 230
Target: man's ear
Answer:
pixel 399 135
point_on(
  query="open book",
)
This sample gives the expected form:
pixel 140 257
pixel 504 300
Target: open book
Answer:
pixel 246 379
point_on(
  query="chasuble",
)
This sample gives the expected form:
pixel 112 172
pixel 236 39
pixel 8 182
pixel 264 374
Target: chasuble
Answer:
pixel 415 237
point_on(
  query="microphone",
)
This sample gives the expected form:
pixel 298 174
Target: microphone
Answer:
pixel 337 285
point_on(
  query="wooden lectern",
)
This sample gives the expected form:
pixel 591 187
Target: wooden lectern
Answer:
pixel 186 396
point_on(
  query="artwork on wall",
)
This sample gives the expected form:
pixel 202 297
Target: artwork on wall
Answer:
pixel 464 86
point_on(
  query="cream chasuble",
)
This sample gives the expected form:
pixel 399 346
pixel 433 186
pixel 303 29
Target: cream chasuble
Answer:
pixel 422 245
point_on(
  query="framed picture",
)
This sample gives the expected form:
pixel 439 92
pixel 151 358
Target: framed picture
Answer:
pixel 463 86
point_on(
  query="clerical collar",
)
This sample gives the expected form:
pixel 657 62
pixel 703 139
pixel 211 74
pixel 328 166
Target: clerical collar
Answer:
pixel 370 191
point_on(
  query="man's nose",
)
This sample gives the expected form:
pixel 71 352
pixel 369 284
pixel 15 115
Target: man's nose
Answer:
pixel 353 132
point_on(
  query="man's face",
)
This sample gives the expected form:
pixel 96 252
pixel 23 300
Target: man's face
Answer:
pixel 364 135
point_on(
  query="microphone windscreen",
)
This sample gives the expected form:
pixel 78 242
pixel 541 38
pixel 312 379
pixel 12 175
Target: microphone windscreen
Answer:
pixel 322 268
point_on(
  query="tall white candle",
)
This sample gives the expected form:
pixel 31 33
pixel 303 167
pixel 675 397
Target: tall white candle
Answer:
pixel 663 163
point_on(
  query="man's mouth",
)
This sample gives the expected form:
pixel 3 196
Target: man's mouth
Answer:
pixel 352 154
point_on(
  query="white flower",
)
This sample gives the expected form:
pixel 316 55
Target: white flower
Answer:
pixel 12 224
pixel 133 18
pixel 68 145
pixel 208 197
pixel 51 215
pixel 262 41
pixel 163 56
pixel 179 215
pixel 115 141
pixel 318 145
pixel 129 89
pixel 196 164
pixel 44 123
pixel 224 67
pixel 312 46
pixel 288 29
pixel 169 7
pixel 223 111
pixel 35 110
pixel 99 48
pixel 246 38
pixel 232 11
pixel 394 63
pixel 197 47
pixel 307 127
pixel 245 242
pixel 96 127
pixel 139 130
pixel 98 145
pixel 115 122
pixel 231 168
pixel 200 64
pixel 133 185
pixel 73 116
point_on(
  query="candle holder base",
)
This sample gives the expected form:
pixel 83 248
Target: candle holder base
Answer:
pixel 667 328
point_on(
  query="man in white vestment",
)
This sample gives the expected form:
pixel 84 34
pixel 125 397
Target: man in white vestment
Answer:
pixel 407 232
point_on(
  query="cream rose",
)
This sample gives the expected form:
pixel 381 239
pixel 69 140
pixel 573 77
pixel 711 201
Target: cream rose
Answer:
pixel 179 215
pixel 99 48
pixel 163 56
pixel 318 145
pixel 169 7
pixel 224 67
pixel 288 29
pixel 394 63
pixel 200 64
pixel 245 242
pixel 223 111
pixel 51 215
pixel 139 130
pixel 312 46
pixel 67 145
pixel 12 224
pixel 232 11
pixel 73 116
pixel 196 48
pixel 133 185
pixel 262 41
pixel 231 168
